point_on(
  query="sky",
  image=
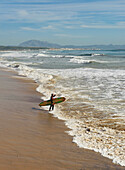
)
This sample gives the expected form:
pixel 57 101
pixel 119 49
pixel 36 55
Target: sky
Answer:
pixel 65 22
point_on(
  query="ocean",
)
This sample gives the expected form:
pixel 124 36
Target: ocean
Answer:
pixel 93 83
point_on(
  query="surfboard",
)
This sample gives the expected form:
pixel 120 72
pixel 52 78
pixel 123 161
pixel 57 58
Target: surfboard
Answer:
pixel 55 101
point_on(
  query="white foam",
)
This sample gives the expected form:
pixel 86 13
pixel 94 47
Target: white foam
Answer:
pixel 17 54
pixel 97 54
pixel 42 55
pixel 108 142
pixel 79 61
pixel 84 86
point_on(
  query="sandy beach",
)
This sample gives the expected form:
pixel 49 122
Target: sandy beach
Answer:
pixel 31 138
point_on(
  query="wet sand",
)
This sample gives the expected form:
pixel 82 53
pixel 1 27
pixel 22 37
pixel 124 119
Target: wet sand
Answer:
pixel 31 138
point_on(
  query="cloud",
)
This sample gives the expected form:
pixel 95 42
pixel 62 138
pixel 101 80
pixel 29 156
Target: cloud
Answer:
pixel 56 10
pixel 75 12
pixel 38 29
pixel 69 27
pixel 23 13
pixel 119 25
pixel 48 27
pixel 23 1
pixel 70 36
pixel 29 29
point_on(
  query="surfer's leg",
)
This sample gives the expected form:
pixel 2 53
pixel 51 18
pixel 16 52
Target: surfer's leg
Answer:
pixel 53 107
pixel 50 107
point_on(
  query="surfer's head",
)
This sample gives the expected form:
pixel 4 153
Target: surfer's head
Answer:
pixel 53 95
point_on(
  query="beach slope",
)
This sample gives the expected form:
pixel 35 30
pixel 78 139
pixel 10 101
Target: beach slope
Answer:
pixel 31 138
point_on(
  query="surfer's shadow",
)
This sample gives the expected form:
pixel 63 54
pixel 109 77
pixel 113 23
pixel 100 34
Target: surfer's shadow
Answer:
pixel 37 109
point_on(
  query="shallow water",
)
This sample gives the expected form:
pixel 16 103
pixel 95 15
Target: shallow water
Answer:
pixel 93 83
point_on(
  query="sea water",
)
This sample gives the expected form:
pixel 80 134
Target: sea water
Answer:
pixel 93 82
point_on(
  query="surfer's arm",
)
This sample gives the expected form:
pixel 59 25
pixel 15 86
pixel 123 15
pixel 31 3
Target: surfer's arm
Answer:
pixel 53 99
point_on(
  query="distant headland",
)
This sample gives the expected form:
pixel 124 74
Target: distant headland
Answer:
pixel 36 44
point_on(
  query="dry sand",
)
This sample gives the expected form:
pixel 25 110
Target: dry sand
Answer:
pixel 31 138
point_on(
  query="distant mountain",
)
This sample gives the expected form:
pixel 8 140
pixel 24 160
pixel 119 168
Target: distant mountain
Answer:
pixel 37 43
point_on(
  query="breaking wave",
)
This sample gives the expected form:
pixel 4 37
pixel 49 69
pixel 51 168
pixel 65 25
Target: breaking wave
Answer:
pixel 95 103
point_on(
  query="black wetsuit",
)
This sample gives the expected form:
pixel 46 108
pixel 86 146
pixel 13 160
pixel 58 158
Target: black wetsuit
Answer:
pixel 52 105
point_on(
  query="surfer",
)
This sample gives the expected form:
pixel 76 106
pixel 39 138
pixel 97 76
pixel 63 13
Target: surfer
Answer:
pixel 52 104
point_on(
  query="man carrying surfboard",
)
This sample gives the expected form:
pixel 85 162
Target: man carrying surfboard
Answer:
pixel 52 104
pixel 52 101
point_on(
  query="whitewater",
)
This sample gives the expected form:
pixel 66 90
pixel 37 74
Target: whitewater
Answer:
pixel 93 83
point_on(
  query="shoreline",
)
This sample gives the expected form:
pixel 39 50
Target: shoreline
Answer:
pixel 31 138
